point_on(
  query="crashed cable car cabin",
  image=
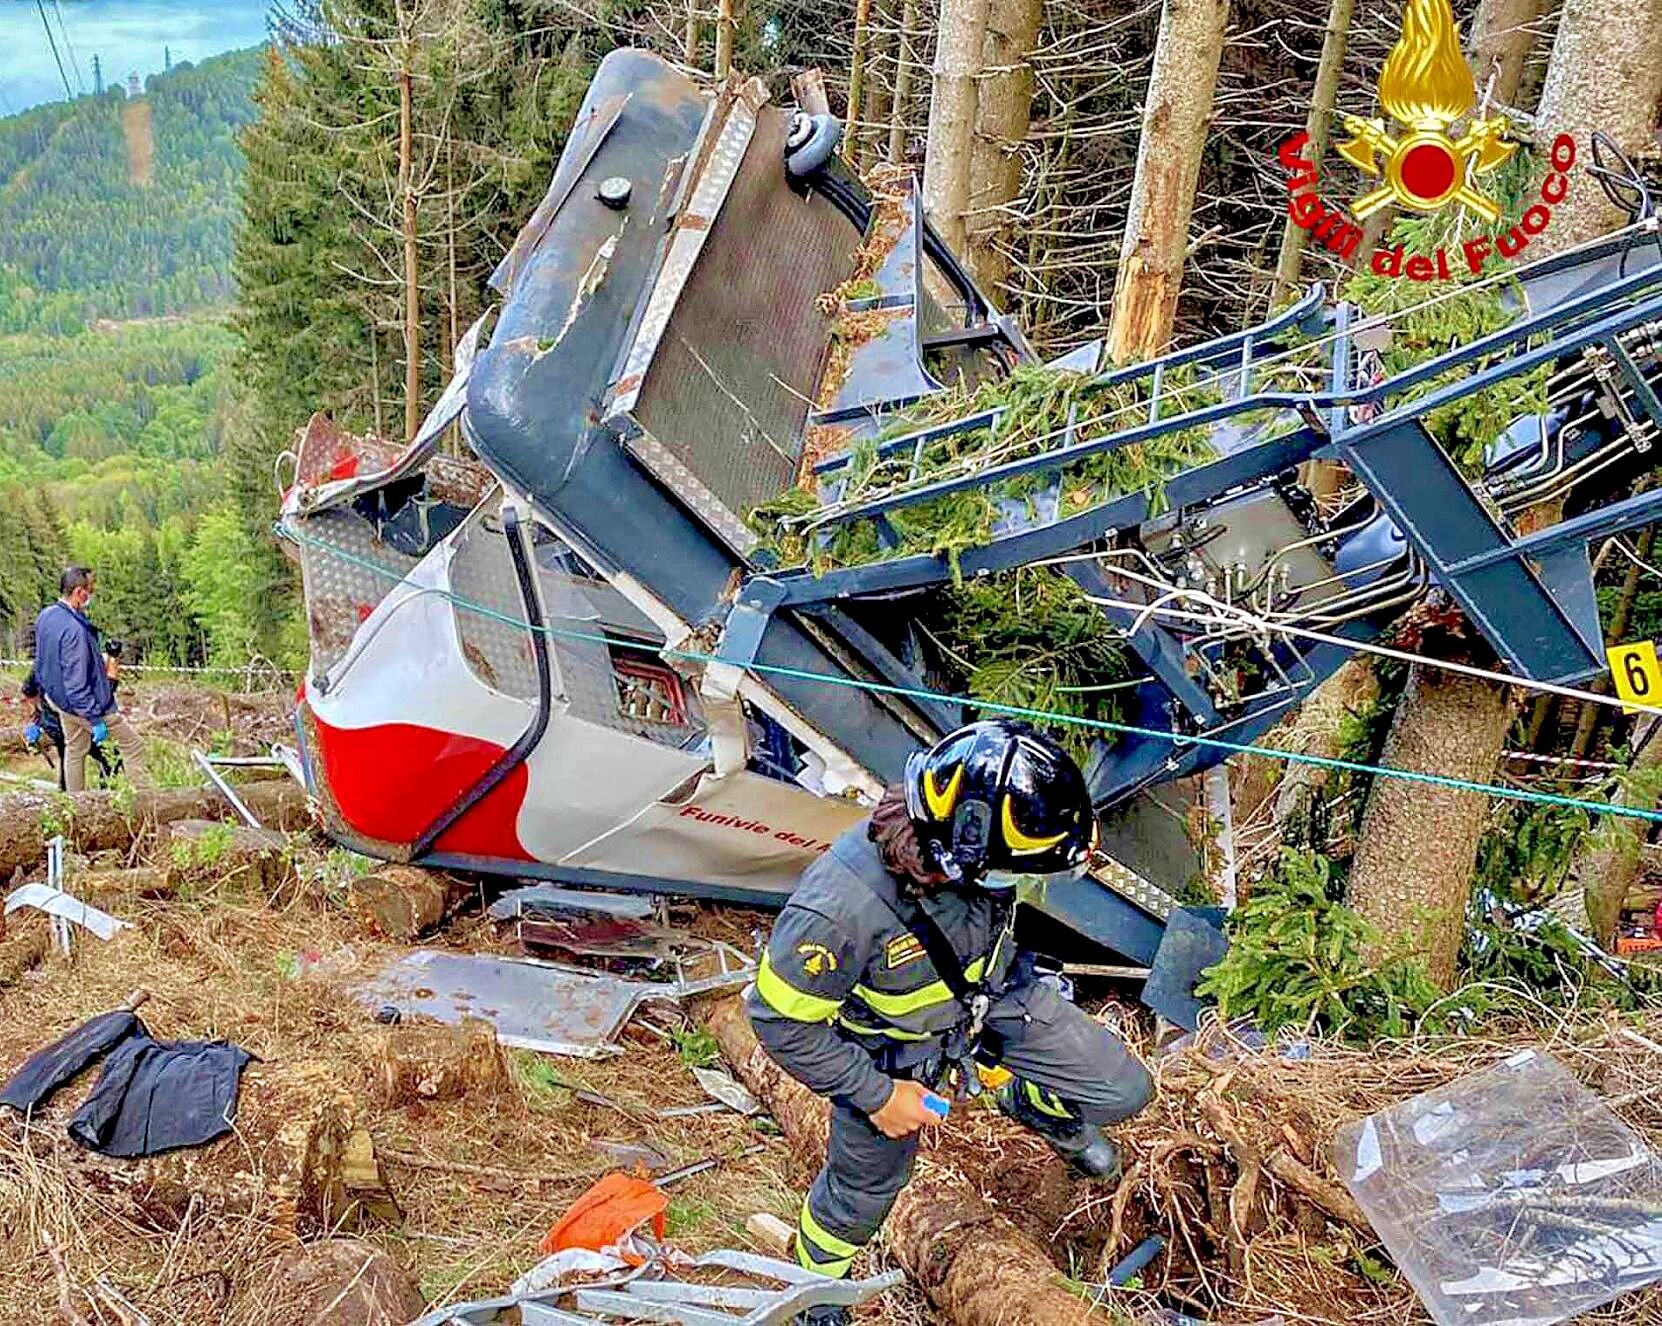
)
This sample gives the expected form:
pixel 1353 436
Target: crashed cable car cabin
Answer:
pixel 566 657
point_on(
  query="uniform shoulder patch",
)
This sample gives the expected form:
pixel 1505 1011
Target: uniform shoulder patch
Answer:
pixel 817 960
pixel 903 949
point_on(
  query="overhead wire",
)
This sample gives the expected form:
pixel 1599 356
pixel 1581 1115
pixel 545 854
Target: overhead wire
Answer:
pixel 52 41
pixel 69 47
pixel 1179 741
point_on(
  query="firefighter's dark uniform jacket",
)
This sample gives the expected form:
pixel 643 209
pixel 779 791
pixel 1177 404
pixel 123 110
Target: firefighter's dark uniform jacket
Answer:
pixel 846 999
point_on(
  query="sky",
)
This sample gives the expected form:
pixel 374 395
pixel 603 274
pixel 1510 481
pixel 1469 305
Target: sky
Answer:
pixel 129 36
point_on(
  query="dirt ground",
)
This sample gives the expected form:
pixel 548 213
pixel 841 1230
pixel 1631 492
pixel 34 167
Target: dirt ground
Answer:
pixel 280 982
pixel 281 979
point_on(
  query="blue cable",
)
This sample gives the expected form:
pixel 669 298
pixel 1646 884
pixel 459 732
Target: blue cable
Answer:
pixel 1017 711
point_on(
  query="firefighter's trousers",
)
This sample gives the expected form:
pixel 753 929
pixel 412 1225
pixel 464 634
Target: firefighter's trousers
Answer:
pixel 1073 1063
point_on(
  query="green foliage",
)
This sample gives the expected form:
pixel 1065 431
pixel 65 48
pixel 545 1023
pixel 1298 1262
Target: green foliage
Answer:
pixel 1038 405
pixel 1526 850
pixel 497 85
pixel 688 1214
pixel 83 237
pixel 221 584
pixel 203 851
pixel 540 1084
pixel 1467 426
pixel 697 1048
pixel 57 816
pixel 1027 638
pixel 1030 639
pixel 32 552
pixel 1298 959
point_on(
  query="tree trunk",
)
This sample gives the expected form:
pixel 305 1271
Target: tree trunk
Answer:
pixel 1503 38
pixel 1175 114
pixel 976 1267
pixel 1004 113
pixel 1587 721
pixel 407 192
pixel 233 858
pixel 948 169
pixel 725 22
pixel 1605 74
pixel 1318 125
pixel 689 36
pixel 1318 730
pixel 1418 842
pixel 97 821
pixel 857 80
pixel 1607 866
pixel 904 59
pixel 880 47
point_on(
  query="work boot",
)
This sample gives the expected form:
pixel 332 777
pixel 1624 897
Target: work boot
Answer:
pixel 1089 1154
pixel 824 1316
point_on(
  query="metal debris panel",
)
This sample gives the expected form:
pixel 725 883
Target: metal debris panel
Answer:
pixel 533 1005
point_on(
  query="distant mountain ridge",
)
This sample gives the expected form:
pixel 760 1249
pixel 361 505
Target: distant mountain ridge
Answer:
pixel 116 210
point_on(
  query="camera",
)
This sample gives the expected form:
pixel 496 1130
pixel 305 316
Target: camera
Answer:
pixel 114 648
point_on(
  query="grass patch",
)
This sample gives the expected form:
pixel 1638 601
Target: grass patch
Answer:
pixel 687 1214
pixel 697 1048
pixel 540 1084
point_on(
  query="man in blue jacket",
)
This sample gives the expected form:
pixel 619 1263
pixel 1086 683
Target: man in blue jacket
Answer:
pixel 70 667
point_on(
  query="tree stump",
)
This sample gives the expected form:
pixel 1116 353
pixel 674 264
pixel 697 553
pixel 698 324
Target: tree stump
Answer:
pixel 432 1061
pixel 299 1160
pixel 341 1282
pixel 406 902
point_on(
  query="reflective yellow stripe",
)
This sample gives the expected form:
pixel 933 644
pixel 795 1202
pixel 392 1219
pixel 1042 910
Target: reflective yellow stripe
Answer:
pixel 812 1237
pixel 786 1000
pixel 836 1270
pixel 893 1033
pixel 936 992
pixel 1046 1103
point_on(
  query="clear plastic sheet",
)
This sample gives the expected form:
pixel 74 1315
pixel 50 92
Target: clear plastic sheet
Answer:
pixel 1512 1197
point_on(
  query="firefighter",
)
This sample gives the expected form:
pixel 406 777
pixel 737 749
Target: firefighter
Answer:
pixel 892 972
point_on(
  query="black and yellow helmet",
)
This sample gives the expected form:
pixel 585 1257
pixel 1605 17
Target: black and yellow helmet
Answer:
pixel 999 796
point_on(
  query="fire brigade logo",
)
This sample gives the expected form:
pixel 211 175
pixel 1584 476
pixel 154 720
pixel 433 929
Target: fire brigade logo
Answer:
pixel 1427 87
pixel 817 960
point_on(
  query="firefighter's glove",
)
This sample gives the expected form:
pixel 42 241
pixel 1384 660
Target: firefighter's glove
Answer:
pixel 906 1112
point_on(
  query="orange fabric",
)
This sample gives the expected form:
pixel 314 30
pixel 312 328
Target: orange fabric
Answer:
pixel 607 1214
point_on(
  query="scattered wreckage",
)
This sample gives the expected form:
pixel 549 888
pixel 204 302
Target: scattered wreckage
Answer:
pixel 567 656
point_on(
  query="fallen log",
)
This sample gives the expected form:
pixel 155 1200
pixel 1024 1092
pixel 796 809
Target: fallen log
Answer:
pixel 299 1160
pixel 25 940
pixel 406 902
pixel 420 1061
pixel 976 1267
pixel 233 858
pixel 100 821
